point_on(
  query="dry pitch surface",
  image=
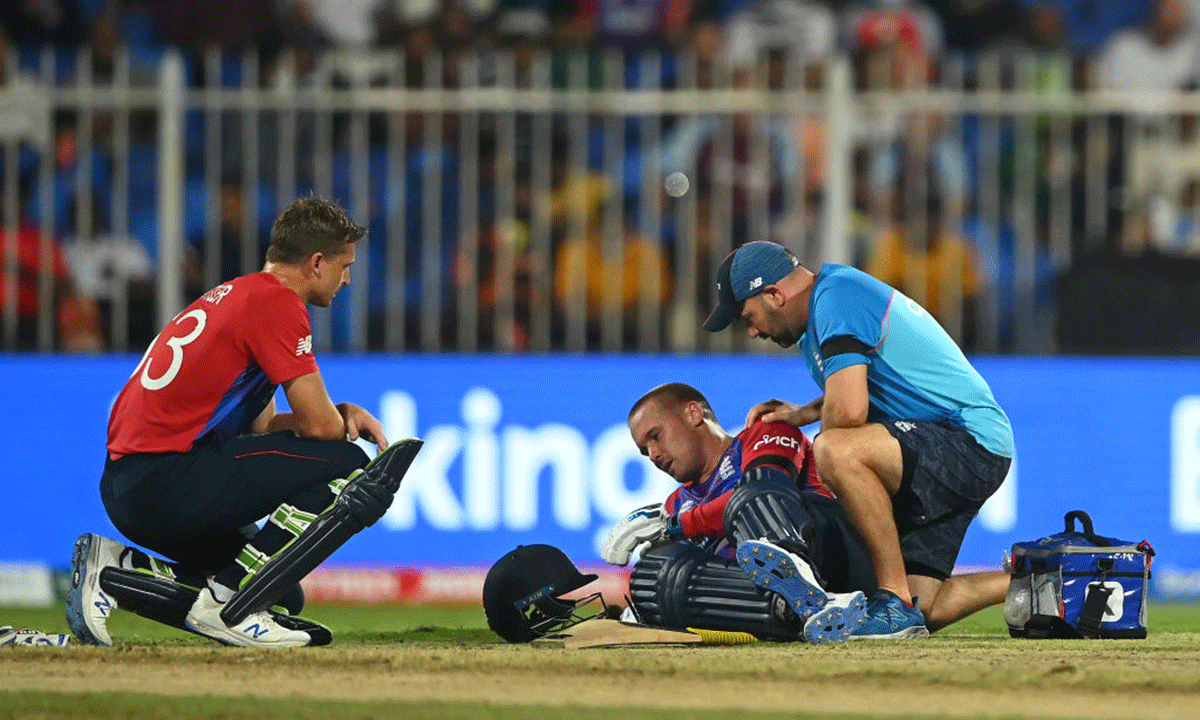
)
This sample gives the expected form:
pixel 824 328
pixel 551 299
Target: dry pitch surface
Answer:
pixel 452 667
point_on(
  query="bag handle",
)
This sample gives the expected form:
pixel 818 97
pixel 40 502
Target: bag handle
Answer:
pixel 1088 532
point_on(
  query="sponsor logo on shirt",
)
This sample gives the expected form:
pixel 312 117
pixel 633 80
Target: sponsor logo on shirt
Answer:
pixel 781 440
pixel 904 425
pixel 217 294
pixel 304 346
pixel 725 470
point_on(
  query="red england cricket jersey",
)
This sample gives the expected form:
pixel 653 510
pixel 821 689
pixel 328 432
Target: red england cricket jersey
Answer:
pixel 701 505
pixel 214 368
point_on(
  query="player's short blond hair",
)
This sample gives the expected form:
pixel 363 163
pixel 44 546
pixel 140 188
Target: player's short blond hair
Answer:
pixel 676 394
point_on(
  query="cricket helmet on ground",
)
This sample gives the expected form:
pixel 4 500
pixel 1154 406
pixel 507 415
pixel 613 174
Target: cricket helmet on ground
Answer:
pixel 522 594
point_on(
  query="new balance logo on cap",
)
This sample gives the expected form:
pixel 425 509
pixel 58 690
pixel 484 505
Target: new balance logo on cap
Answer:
pixel 746 272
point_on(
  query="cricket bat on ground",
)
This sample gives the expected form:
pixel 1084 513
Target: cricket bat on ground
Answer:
pixel 603 632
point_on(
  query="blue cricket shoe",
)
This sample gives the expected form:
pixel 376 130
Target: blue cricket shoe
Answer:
pixel 888 618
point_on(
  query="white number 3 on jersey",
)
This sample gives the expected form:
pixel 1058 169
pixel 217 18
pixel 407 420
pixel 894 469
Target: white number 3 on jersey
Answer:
pixel 176 344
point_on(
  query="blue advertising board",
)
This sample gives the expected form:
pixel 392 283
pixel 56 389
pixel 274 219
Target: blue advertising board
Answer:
pixel 535 449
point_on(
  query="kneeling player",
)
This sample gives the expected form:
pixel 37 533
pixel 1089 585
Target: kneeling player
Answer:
pixel 197 454
pixel 751 540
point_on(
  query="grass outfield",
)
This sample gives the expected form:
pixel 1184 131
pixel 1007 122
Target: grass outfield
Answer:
pixel 433 662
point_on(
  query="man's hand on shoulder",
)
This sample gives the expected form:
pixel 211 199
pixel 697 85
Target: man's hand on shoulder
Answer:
pixel 360 423
pixel 781 411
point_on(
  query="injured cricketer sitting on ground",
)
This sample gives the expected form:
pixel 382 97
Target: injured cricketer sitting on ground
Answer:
pixel 752 540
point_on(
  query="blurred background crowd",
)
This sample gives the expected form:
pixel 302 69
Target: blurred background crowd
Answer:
pixel 1055 214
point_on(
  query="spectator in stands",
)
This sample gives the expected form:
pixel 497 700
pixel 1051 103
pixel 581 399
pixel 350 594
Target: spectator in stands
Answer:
pixel 723 152
pixel 897 38
pixel 586 270
pixel 234 256
pixel 974 25
pixel 1185 240
pixel 634 25
pixel 771 35
pixel 45 22
pixel 346 23
pixel 924 258
pixel 75 320
pixel 109 269
pixel 235 27
pixel 302 31
pixel 894 45
pixel 1083 26
pixel 806 30
pixel 495 258
pixel 1162 55
pixel 22 103
pixel 521 32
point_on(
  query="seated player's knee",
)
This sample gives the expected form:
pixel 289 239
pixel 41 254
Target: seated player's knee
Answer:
pixel 365 500
pixel 828 452
pixel 681 586
pixel 766 504
pixel 354 459
pixel 659 581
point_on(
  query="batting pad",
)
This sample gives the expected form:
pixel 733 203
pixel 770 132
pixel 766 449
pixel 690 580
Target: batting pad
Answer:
pixel 603 632
pixel 362 501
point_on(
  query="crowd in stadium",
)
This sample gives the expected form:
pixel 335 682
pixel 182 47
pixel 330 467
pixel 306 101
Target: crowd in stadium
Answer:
pixel 1150 198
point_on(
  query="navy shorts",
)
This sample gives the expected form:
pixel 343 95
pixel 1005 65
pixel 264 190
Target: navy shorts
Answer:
pixel 947 477
pixel 199 508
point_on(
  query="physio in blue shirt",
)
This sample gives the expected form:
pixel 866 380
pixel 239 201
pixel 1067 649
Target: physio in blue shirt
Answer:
pixel 912 440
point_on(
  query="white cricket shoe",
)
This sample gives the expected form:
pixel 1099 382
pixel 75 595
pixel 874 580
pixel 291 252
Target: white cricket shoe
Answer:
pixel 88 606
pixel 257 630
pixel 841 617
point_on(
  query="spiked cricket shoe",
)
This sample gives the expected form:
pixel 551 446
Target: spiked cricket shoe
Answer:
pixel 772 568
pixel 88 606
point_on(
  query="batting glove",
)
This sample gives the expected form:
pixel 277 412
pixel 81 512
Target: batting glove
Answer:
pixel 648 524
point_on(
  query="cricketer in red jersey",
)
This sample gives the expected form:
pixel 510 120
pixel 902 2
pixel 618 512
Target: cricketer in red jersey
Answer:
pixel 760 483
pixel 215 369
pixel 700 504
pixel 734 490
pixel 197 452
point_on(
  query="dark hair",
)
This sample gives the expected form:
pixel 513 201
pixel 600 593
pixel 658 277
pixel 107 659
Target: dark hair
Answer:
pixel 678 394
pixel 311 225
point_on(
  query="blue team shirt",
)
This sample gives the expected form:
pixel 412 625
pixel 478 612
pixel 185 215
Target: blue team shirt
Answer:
pixel 915 371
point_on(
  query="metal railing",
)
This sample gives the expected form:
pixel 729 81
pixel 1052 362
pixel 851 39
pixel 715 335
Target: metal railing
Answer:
pixel 558 205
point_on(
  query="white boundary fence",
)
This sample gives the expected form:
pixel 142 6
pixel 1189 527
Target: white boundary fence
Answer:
pixel 1038 178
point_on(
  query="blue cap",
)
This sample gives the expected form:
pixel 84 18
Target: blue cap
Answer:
pixel 744 273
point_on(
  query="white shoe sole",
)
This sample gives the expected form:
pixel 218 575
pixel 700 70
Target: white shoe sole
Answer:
pixel 840 617
pixel 228 636
pixel 909 633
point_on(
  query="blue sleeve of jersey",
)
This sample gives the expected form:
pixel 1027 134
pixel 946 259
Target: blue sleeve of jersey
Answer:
pixel 847 307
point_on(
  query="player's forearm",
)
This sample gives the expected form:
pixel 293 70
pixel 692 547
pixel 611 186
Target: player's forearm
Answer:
pixel 329 430
pixel 811 412
pixel 281 421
